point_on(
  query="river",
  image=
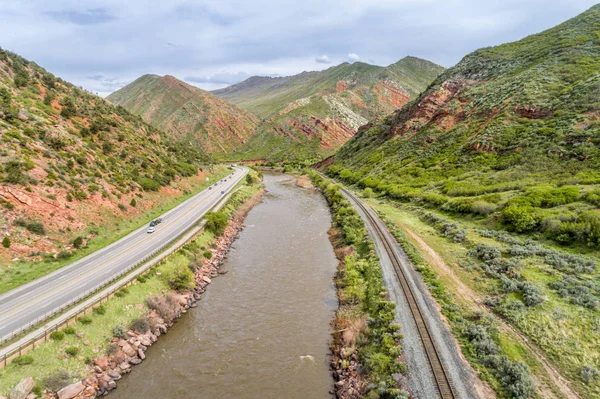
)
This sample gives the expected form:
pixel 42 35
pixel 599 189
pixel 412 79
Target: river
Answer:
pixel 261 330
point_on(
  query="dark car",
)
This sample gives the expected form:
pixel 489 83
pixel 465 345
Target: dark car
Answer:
pixel 222 192
pixel 153 223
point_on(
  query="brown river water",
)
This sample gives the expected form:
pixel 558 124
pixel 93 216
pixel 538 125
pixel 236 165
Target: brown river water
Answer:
pixel 261 330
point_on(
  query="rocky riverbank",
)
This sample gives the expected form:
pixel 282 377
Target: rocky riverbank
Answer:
pixel 344 359
pixel 128 347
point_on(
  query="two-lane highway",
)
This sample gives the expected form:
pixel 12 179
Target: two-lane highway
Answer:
pixel 24 305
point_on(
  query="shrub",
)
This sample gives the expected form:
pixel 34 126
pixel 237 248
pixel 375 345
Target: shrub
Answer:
pixel 100 310
pixel 55 382
pixel 6 242
pixel 531 294
pixel 148 184
pixel 72 351
pixel 140 325
pixel 69 330
pixel 165 306
pixel 122 292
pixel 23 360
pixel 180 278
pixel 483 207
pixel 78 242
pixel 368 192
pixel 207 254
pixel 84 320
pixel 133 202
pixel 588 374
pixel 36 228
pixel 251 179
pixel 57 335
pixel 216 222
pixel 119 332
pixel 122 207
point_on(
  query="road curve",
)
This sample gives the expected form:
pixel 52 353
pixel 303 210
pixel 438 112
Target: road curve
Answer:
pixel 421 380
pixel 25 304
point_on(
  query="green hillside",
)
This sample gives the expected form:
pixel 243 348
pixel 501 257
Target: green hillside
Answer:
pixel 71 161
pixel 187 113
pixel 501 156
pixel 313 113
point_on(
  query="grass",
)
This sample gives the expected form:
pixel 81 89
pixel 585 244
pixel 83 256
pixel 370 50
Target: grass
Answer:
pixel 113 229
pixel 566 333
pixel 49 358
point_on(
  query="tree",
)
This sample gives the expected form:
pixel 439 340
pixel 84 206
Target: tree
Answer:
pixel 6 242
pixel 251 179
pixel 216 222
pixel 133 202
pixel 78 242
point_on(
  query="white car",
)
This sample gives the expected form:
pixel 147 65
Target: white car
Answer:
pixel 151 229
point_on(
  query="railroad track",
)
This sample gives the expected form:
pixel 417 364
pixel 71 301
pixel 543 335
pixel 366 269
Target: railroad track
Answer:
pixel 442 379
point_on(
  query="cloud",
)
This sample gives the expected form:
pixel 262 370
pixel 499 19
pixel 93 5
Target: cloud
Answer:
pixel 100 44
pixel 88 17
pixel 323 60
pixel 219 78
pixel 353 57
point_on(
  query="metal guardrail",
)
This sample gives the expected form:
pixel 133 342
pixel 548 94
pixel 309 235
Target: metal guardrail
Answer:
pixel 43 336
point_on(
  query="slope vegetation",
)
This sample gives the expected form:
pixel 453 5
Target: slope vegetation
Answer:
pixel 187 112
pixel 501 156
pixel 314 113
pixel 70 163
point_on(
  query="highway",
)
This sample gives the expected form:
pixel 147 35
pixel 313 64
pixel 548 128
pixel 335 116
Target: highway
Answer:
pixel 25 304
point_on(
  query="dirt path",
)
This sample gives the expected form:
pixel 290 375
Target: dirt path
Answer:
pixel 465 291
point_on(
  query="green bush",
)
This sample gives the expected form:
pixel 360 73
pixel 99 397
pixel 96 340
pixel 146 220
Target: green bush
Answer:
pixel 100 310
pixel 148 184
pixel 23 360
pixel 72 351
pixel 207 254
pixel 57 335
pixel 78 242
pixel 84 320
pixel 69 330
pixel 180 278
pixel 36 228
pixel 216 222
pixel 133 202
pixel 6 242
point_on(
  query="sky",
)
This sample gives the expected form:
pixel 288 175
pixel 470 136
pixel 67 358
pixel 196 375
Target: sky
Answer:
pixel 103 45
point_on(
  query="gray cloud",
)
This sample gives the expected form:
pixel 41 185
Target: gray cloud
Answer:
pixel 211 41
pixel 87 17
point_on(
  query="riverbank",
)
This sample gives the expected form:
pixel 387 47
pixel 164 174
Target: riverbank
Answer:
pixel 88 357
pixel 366 350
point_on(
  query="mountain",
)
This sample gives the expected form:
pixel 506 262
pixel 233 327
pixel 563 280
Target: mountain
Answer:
pixel 70 160
pixel 187 112
pixel 314 113
pixel 520 120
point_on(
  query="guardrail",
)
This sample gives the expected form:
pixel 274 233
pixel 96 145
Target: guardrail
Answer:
pixel 150 261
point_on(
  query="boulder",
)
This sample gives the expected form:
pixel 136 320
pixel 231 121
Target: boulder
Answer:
pixel 135 360
pixel 22 389
pixel 115 375
pixel 32 396
pixel 102 362
pixel 129 350
pixel 70 391
pixel 141 354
